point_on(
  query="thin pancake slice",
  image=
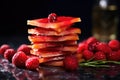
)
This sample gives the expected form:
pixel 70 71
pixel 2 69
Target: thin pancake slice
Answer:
pixel 61 24
pixel 50 53
pixel 48 59
pixel 35 38
pixel 54 63
pixel 61 48
pixel 52 44
pixel 49 32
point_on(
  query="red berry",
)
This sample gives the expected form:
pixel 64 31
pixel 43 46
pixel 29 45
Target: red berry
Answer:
pixel 32 63
pixel 114 56
pixel 103 47
pixel 8 54
pixel 81 47
pixel 19 59
pixel 114 44
pixel 87 54
pixel 92 46
pixel 118 53
pixel 91 40
pixel 3 48
pixel 70 63
pixel 25 48
pixel 52 17
pixel 99 56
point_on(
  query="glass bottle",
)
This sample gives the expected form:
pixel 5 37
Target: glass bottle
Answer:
pixel 105 20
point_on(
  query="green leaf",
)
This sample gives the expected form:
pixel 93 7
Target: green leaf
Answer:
pixel 98 63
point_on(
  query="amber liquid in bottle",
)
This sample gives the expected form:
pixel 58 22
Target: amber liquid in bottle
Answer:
pixel 105 21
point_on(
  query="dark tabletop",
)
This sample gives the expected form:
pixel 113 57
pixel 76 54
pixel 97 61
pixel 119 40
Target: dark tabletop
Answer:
pixel 9 72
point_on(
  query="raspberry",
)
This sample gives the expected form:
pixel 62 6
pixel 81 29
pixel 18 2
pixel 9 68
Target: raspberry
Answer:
pixel 32 63
pixel 81 47
pixel 70 63
pixel 91 40
pixel 87 54
pixel 92 46
pixel 103 47
pixel 8 54
pixel 99 56
pixel 118 53
pixel 114 44
pixel 114 56
pixel 25 48
pixel 52 17
pixel 3 48
pixel 19 59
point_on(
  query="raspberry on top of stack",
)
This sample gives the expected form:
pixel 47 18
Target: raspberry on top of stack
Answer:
pixel 53 38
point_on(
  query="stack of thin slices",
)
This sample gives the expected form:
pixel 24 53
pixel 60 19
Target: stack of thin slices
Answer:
pixel 53 38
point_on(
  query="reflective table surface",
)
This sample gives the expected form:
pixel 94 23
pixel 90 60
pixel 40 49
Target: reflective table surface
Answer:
pixel 9 72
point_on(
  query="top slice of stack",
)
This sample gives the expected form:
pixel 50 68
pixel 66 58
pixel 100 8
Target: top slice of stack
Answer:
pixel 60 25
pixel 53 38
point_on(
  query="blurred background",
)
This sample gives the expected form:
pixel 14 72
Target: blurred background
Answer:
pixel 15 13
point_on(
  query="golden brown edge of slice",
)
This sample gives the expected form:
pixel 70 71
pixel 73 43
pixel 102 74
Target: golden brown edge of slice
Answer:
pixel 72 48
pixel 35 38
pixel 47 32
pixel 45 54
pixel 52 44
pixel 48 59
pixel 54 63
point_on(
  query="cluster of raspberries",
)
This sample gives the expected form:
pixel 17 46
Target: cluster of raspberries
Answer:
pixel 20 57
pixel 93 49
